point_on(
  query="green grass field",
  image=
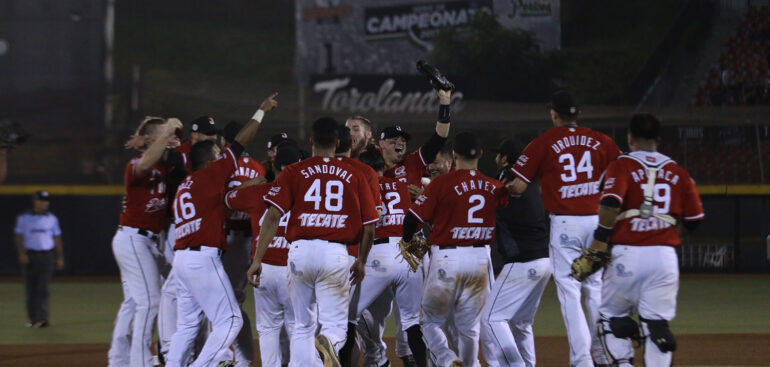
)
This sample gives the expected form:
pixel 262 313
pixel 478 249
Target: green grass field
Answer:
pixel 83 311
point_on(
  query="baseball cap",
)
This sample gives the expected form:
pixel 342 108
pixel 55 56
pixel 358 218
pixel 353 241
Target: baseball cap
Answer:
pixel 231 130
pixel 277 139
pixel 467 144
pixel 204 125
pixel 510 148
pixel 42 195
pixel 564 102
pixel 394 131
pixel 288 153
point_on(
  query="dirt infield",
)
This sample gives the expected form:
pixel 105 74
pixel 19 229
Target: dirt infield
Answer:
pixel 694 350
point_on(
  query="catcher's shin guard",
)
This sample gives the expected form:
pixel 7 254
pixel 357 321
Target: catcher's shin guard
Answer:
pixel 616 342
pixel 660 343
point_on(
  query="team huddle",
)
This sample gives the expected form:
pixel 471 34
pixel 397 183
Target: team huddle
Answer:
pixel 336 240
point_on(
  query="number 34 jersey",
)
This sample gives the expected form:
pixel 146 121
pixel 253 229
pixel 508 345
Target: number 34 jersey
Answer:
pixel 673 193
pixel 328 199
pixel 461 205
pixel 569 161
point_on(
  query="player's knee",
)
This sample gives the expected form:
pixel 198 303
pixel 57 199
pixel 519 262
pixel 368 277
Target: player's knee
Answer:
pixel 624 327
pixel 661 335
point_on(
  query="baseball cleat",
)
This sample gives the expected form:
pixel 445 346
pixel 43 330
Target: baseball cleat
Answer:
pixel 456 363
pixel 226 364
pixel 409 361
pixel 326 349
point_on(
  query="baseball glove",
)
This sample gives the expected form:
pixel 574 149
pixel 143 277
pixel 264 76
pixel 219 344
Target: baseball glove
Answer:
pixel 12 134
pixel 588 263
pixel 413 251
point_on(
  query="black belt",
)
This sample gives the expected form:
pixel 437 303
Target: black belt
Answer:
pixel 40 251
pixel 245 232
pixel 454 246
pixel 380 241
pixel 198 248
pixel 144 232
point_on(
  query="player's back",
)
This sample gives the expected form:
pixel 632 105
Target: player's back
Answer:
pixel 395 200
pixel 328 199
pixel 569 161
pixel 250 200
pixel 461 206
pixel 673 194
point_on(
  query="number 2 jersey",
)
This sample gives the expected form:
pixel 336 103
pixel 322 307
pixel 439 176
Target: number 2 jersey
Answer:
pixel 396 201
pixel 250 200
pixel 461 205
pixel 569 161
pixel 674 193
pixel 328 200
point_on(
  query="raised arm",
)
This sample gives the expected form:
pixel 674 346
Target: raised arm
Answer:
pixel 155 151
pixel 436 141
pixel 248 132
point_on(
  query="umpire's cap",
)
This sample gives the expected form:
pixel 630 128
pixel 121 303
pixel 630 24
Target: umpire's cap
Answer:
pixel 204 125
pixel 510 148
pixel 564 103
pixel 394 131
pixel 467 144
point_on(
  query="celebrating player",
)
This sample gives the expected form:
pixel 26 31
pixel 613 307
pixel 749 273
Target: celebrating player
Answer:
pixel 331 207
pixel 272 148
pixel 522 242
pixel 202 284
pixel 135 243
pixel 461 207
pixel 203 128
pixel 569 159
pixel 645 192
pixel 271 298
pixel 361 133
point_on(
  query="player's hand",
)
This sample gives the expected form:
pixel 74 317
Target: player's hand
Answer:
pixel 252 275
pixel 269 103
pixel 256 181
pixel 135 142
pixel 357 272
pixel 172 125
pixel 23 259
pixel 59 264
pixel 444 96
pixel 415 191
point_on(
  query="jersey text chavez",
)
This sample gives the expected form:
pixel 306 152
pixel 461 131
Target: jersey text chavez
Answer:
pixel 327 169
pixel 572 140
pixel 471 185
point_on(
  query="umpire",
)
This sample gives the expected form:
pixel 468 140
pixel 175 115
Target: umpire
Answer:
pixel 522 244
pixel 39 245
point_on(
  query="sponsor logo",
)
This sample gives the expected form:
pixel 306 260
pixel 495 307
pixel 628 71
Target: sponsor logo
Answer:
pixel 532 274
pixel 155 205
pixel 376 265
pixel 568 241
pixel 442 276
pixel 620 269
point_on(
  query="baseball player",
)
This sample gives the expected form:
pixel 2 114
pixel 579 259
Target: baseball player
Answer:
pixel 361 133
pixel 272 148
pixel 203 128
pixel 135 242
pixel 461 207
pixel 202 284
pixel 331 206
pixel 271 298
pixel 522 244
pixel 569 159
pixel 645 194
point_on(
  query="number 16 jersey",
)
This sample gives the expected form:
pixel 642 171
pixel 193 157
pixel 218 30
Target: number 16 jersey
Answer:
pixel 569 161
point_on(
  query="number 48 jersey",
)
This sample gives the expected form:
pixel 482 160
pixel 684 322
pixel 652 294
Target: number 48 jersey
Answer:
pixel 569 161
pixel 461 205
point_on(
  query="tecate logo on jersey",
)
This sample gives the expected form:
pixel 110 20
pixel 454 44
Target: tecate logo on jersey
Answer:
pixel 279 242
pixel 472 233
pixel 187 228
pixel 391 220
pixel 647 225
pixel 583 189
pixel 321 220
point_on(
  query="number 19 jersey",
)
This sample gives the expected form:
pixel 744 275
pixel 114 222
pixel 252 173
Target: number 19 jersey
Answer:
pixel 328 199
pixel 569 161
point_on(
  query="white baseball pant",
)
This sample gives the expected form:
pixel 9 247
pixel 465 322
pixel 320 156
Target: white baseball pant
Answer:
pixel 371 327
pixel 203 285
pixel 570 234
pixel 318 275
pixel 506 321
pixel 138 258
pixel 645 279
pixel 456 286
pixel 236 261
pixel 274 313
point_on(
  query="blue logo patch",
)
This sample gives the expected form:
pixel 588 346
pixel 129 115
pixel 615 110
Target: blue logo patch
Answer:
pixel 294 269
pixel 568 241
pixel 532 274
pixel 442 276
pixel 621 270
pixel 377 266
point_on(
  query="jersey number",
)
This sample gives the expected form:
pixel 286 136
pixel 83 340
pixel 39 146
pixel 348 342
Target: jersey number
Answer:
pixel 570 171
pixel 393 199
pixel 188 209
pixel 661 193
pixel 333 198
pixel 475 199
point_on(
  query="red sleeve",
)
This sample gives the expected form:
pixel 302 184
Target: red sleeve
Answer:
pixel 502 197
pixel 417 158
pixel 613 152
pixel 692 208
pixel 527 167
pixel 279 195
pixel 374 189
pixel 425 204
pixel 369 213
pixel 260 168
pixel 221 169
pixel 244 199
pixel 615 182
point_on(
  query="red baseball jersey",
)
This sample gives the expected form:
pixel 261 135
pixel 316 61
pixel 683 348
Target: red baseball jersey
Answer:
pixel 248 168
pixel 199 208
pixel 370 176
pixel 184 148
pixel 410 170
pixel 461 206
pixel 145 197
pixel 251 200
pixel 328 199
pixel 395 197
pixel 568 160
pixel 674 194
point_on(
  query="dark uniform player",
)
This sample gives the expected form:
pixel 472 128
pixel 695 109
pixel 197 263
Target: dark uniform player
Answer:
pixel 331 207
pixel 461 207
pixel 645 194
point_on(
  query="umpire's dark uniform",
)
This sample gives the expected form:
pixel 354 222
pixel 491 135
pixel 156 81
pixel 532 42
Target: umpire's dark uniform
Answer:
pixel 522 245
pixel 37 236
